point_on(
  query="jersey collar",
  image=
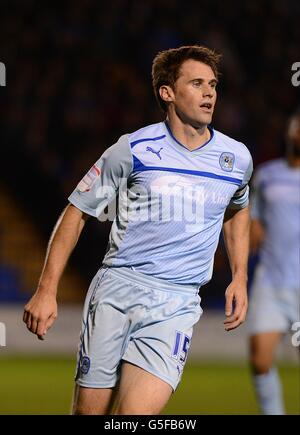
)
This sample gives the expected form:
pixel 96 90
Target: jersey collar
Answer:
pixel 207 145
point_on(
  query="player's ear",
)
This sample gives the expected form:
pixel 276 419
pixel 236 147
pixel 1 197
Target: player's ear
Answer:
pixel 166 93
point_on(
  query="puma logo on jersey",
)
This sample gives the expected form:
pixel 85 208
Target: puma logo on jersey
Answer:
pixel 154 152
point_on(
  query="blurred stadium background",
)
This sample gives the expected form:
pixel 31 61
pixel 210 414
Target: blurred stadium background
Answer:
pixel 78 77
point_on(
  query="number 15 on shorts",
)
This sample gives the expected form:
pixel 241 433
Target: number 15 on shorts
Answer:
pixel 181 347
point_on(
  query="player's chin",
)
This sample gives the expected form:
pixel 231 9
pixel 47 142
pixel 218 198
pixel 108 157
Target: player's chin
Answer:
pixel 205 118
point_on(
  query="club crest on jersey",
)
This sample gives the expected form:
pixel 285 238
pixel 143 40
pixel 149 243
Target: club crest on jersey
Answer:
pixel 85 365
pixel 89 179
pixel 227 161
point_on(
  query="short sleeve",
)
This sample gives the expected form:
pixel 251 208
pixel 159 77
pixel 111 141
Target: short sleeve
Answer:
pixel 241 197
pixel 101 183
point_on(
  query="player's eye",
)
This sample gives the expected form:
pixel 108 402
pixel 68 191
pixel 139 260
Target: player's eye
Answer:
pixel 196 84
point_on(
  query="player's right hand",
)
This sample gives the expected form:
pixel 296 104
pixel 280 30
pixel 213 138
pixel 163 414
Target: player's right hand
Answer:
pixel 40 313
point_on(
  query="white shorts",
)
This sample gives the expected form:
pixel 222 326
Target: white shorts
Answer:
pixel 272 309
pixel 132 317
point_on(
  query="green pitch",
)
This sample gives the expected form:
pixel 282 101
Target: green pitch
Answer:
pixel 44 386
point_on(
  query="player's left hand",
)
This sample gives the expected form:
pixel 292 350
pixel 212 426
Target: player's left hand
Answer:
pixel 236 304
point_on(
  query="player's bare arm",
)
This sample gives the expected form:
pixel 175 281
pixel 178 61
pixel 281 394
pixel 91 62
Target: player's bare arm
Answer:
pixel 236 234
pixel 41 311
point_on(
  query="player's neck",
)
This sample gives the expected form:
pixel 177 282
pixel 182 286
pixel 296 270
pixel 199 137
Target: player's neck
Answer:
pixel 189 136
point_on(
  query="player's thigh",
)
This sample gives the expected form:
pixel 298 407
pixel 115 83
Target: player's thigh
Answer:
pixel 262 348
pixel 140 392
pixel 92 401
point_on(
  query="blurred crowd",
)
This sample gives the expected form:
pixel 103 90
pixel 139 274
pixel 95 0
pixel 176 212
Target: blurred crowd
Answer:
pixel 79 76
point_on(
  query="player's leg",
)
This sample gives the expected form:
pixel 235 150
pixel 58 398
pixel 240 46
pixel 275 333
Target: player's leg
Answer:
pixel 99 355
pixel 267 322
pixel 140 392
pixel 92 401
pixel 262 349
pixel 265 377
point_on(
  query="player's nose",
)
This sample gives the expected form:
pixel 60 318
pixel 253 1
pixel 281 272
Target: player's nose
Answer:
pixel 207 92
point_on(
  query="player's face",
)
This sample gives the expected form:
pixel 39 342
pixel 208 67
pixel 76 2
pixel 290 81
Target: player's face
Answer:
pixel 194 96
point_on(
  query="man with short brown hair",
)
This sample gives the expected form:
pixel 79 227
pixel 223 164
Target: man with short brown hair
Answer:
pixel 175 181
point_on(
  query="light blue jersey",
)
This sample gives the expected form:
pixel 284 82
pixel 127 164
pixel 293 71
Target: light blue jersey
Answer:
pixel 276 203
pixel 170 201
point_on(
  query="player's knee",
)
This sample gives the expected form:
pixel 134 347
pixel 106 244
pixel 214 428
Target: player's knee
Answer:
pixel 260 365
pixel 86 407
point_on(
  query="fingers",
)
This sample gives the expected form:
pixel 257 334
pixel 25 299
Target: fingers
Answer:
pixel 240 320
pixel 34 325
pixel 25 316
pixel 236 313
pixel 41 330
pixel 44 326
pixel 28 320
pixel 229 302
pixel 236 319
pixel 38 326
pixel 31 322
pixel 236 307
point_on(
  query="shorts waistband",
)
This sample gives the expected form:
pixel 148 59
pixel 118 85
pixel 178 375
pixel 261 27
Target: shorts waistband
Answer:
pixel 150 281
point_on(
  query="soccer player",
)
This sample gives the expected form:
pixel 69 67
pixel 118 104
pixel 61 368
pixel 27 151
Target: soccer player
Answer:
pixel 173 182
pixel 275 297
